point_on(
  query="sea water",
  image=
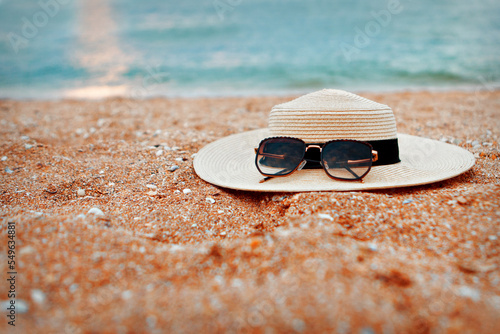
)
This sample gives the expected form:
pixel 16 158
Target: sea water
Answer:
pixel 99 48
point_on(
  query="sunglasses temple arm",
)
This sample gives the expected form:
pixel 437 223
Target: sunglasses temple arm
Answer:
pixel 351 171
pixel 267 178
pixel 358 161
pixel 270 155
pixel 301 165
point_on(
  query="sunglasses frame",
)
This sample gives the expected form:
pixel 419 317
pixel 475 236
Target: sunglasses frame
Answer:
pixel 319 146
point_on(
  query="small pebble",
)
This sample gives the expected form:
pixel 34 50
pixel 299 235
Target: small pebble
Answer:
pixel 373 247
pixel 151 321
pixel 179 159
pixel 277 198
pixel 153 189
pixel 255 242
pixel 187 191
pixel 51 189
pixel 25 138
pixel 407 201
pixel 28 146
pixel 96 211
pixel 473 294
pixel 298 325
pixel 4 158
pixel 21 305
pixel 367 330
pixel 159 153
pixel 173 168
pixel 38 296
pixel 325 216
pixel 210 200
pixel 8 170
pixel 194 225
pixel 80 192
pixel 126 295
pixel 461 200
pixel 220 211
pixel 26 250
pixel 101 122
pixel 492 237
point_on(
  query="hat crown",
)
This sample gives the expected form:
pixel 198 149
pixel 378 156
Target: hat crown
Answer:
pixel 332 114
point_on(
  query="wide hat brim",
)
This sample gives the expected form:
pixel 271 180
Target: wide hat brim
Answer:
pixel 230 163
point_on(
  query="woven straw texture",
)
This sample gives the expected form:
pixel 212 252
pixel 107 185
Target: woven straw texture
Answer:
pixel 230 162
pixel 332 114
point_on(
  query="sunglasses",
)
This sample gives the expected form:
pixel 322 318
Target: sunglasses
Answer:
pixel 341 159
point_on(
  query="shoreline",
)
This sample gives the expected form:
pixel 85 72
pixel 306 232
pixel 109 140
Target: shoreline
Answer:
pixel 58 97
pixel 108 240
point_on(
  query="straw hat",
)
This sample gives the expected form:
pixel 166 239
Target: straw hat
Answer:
pixel 317 118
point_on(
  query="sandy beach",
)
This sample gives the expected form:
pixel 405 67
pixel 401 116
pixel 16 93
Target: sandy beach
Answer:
pixel 115 232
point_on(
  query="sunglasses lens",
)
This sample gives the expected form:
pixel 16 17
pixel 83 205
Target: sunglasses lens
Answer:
pixel 348 160
pixel 279 156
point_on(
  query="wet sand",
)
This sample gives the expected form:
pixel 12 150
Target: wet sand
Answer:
pixel 161 258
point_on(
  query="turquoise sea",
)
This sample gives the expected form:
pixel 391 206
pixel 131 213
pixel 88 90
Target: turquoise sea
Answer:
pixel 97 48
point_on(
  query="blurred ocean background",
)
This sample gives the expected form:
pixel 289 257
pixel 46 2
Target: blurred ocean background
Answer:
pixel 97 48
